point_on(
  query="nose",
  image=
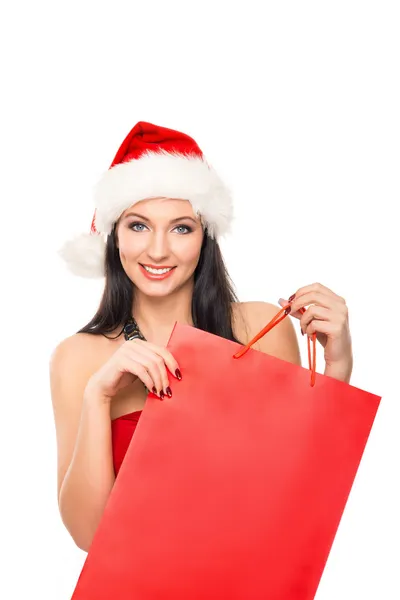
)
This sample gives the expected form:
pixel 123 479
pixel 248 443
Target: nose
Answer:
pixel 158 249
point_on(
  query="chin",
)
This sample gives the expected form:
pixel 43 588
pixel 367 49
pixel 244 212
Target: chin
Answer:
pixel 156 293
pixel 153 289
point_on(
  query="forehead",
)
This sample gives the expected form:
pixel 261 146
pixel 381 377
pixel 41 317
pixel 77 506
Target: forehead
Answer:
pixel 162 205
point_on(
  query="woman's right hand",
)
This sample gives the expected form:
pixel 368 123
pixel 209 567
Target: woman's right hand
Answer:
pixel 134 359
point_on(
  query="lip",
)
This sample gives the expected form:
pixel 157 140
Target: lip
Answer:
pixel 156 277
pixel 157 266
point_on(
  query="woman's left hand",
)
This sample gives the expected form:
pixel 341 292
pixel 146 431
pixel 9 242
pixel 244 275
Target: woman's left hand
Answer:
pixel 328 317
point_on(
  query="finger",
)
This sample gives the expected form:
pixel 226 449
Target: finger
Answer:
pixel 153 362
pixel 316 298
pixel 317 287
pixel 156 356
pixel 315 312
pixel 132 366
pixel 166 355
pixel 327 327
pixel 295 314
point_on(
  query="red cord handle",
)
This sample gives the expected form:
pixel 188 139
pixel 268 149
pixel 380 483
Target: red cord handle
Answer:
pixel 282 314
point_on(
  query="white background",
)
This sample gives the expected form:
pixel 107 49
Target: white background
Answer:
pixel 296 104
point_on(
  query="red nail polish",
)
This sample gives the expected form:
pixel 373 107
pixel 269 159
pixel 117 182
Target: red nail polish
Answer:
pixel 302 332
pixel 178 374
pixel 162 395
pixel 169 391
pixel 154 391
pixel 292 297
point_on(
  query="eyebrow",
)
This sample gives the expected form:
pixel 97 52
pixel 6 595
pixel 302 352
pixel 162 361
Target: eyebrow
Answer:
pixel 133 214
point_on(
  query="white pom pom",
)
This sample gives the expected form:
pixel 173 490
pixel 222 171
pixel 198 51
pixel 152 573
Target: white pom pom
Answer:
pixel 85 255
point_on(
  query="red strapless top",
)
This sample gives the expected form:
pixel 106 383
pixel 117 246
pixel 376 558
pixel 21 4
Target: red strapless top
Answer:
pixel 122 429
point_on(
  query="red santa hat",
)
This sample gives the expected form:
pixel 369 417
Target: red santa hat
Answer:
pixel 152 161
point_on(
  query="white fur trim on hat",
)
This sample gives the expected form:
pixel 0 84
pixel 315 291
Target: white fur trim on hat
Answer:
pixel 164 174
pixel 85 255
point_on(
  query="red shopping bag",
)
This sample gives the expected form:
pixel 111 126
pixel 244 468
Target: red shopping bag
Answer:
pixel 234 487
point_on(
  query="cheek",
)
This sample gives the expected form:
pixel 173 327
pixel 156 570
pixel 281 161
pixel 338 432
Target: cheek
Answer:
pixel 128 246
pixel 188 253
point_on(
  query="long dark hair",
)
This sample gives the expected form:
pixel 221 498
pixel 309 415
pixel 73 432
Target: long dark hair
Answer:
pixel 213 293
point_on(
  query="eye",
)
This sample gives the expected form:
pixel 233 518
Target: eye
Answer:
pixel 188 229
pixel 139 227
pixel 136 224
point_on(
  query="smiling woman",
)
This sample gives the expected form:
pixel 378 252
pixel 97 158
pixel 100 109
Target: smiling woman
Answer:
pixel 163 210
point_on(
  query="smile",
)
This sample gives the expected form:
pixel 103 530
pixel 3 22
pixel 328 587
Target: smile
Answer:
pixel 156 273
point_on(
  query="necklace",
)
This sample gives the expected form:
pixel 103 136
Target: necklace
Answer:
pixel 131 330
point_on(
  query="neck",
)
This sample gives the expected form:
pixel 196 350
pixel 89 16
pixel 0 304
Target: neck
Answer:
pixel 156 316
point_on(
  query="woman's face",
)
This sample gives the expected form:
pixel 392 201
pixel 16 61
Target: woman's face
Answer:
pixel 159 233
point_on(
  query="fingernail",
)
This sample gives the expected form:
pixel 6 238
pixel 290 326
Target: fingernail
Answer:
pixel 292 297
pixel 162 395
pixel 178 374
pixel 302 332
pixel 169 391
pixel 154 391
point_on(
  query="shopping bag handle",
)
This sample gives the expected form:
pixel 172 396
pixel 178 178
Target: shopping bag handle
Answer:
pixel 282 314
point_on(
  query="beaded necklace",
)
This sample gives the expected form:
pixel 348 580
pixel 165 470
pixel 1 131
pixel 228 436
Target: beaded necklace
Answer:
pixel 132 331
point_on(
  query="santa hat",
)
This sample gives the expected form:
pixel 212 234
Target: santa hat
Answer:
pixel 152 161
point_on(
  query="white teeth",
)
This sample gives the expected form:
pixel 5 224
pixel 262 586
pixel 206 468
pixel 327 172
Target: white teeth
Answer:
pixel 157 271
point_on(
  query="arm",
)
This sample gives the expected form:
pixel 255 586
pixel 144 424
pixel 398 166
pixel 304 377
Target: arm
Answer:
pixel 341 372
pixel 85 474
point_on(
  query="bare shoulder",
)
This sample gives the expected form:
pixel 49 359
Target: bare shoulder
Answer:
pixel 82 350
pixel 72 363
pixel 251 317
pixel 73 357
pixel 78 342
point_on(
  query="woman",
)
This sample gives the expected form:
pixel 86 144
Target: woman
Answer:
pixel 163 209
